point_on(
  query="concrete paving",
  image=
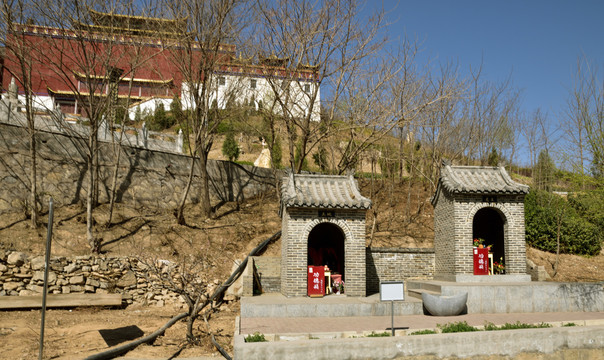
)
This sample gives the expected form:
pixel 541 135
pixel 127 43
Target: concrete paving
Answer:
pixel 583 342
pixel 316 332
pixel 279 306
pixel 276 314
pixel 362 324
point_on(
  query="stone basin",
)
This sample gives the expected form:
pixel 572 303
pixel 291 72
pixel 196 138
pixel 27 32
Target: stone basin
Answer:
pixel 439 305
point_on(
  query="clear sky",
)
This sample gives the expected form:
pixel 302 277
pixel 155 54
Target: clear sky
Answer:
pixel 535 41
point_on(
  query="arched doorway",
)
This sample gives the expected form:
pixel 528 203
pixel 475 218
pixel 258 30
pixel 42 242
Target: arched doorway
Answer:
pixel 326 247
pixel 488 224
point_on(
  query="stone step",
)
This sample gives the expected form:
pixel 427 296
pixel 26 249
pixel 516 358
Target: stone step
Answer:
pixel 329 306
pixel 60 301
pixel 424 285
pixel 417 293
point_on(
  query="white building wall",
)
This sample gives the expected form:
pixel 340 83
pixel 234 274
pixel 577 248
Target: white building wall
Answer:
pixel 39 102
pixel 240 87
pixel 149 106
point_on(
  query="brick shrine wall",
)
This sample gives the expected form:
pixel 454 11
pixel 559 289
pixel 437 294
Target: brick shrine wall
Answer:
pixel 453 218
pixel 382 264
pixel 269 271
pixel 444 235
pixel 297 224
pixel 397 264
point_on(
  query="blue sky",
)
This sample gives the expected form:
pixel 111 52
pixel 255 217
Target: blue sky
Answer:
pixel 536 42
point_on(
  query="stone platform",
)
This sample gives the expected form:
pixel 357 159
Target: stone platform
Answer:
pixel 500 296
pixel 279 306
pixel 483 298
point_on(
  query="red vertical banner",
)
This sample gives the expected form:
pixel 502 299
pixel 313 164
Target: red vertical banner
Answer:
pixel 316 281
pixel 481 261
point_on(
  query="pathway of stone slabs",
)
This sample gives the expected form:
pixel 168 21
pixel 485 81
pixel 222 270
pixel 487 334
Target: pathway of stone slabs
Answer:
pixel 364 324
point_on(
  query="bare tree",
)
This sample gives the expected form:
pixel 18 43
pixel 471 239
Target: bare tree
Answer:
pixel 199 56
pixel 20 65
pixel 491 108
pixel 531 135
pixel 305 45
pixel 442 129
pixel 139 59
pixel 73 51
pixel 584 126
pixel 185 277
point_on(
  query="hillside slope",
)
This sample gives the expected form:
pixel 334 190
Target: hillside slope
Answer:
pixel 401 216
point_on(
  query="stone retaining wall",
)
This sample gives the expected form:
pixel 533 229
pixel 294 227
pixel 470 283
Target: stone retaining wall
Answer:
pixel 145 177
pixel 269 271
pixel 22 275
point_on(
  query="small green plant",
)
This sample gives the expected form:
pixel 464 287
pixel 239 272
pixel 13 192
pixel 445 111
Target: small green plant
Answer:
pixel 255 337
pixel 569 324
pixel 382 334
pixel 461 326
pixel 489 326
pixel 518 325
pixel 423 332
pixel 230 148
pixel 160 120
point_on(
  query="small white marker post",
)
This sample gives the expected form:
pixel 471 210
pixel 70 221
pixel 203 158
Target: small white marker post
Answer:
pixel 392 291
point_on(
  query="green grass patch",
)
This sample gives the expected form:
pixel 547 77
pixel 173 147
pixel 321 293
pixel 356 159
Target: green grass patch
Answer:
pixel 460 326
pixel 518 325
pixel 423 332
pixel 255 337
pixel 382 334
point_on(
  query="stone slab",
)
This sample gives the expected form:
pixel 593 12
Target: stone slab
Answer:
pixel 60 300
pixel 277 305
pixel 467 278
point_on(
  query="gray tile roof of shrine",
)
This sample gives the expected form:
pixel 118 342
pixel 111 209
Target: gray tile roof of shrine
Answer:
pixel 479 180
pixel 322 191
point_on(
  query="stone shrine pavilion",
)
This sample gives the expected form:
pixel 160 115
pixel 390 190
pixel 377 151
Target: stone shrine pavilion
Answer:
pixel 483 202
pixel 323 223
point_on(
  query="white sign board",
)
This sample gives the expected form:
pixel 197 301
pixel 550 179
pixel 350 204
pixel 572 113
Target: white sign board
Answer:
pixel 392 290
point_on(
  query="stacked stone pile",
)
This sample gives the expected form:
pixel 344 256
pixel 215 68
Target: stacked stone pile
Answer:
pixel 22 275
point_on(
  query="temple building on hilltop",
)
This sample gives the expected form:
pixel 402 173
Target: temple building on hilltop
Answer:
pixel 137 59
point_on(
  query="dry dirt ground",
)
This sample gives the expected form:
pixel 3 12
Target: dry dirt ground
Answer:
pixel 401 220
pixel 76 333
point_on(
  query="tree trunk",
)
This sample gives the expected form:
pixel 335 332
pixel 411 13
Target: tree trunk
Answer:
pixel 204 188
pixel 114 180
pixel 89 233
pixel 33 171
pixel 91 187
pixel 180 213
pixel 558 242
